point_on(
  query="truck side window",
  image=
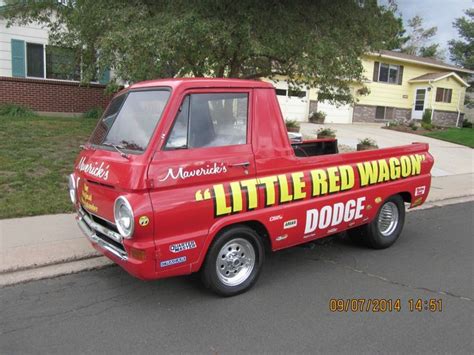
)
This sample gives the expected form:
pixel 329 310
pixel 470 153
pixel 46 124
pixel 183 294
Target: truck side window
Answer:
pixel 210 120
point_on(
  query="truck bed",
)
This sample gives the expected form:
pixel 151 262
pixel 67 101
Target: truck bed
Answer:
pixel 315 147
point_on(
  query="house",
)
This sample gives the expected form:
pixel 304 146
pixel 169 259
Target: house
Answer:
pixel 43 77
pixel 400 87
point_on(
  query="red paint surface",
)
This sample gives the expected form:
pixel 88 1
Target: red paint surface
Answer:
pixel 175 214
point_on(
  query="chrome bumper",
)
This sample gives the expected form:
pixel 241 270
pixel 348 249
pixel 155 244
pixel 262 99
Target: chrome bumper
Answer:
pixel 93 230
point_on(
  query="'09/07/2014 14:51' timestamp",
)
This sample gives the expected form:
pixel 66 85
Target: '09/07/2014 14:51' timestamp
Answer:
pixel 383 305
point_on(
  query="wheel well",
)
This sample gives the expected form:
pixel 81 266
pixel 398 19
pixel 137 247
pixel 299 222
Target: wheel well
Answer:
pixel 406 196
pixel 257 227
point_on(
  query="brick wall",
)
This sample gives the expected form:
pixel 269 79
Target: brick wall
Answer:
pixel 366 113
pixel 51 95
pixel 446 118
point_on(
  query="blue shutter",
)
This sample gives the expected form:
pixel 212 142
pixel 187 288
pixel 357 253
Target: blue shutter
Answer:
pixel 105 77
pixel 18 58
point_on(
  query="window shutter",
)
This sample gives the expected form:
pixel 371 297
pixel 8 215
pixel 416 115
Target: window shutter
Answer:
pixel 400 75
pixel 376 71
pixel 105 77
pixel 439 95
pixel 18 58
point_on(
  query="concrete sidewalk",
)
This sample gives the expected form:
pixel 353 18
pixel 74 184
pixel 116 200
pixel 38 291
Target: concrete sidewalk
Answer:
pixel 45 246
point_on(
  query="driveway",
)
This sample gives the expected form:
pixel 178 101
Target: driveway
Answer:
pixel 450 158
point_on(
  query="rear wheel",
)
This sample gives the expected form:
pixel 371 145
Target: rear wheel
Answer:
pixel 234 261
pixel 386 227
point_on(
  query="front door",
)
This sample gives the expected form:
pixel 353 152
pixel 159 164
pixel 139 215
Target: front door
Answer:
pixel 419 104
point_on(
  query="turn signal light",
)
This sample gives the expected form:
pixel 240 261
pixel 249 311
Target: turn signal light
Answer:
pixel 138 254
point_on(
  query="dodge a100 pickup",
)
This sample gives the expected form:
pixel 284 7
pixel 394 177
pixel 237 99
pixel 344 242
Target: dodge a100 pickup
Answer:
pixel 188 175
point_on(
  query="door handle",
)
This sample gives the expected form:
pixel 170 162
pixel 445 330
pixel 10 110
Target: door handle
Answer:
pixel 243 165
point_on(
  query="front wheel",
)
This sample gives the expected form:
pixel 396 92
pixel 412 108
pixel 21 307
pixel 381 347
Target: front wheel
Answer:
pixel 234 261
pixel 386 227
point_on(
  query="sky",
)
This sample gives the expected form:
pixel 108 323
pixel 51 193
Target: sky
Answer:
pixel 440 13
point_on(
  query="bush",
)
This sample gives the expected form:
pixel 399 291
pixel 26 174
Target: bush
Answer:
pixel 95 112
pixel 317 117
pixel 393 124
pixel 326 132
pixel 413 126
pixel 426 116
pixel 15 110
pixel 466 124
pixel 368 142
pixel 427 126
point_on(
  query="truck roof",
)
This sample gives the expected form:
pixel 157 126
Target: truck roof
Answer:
pixel 203 83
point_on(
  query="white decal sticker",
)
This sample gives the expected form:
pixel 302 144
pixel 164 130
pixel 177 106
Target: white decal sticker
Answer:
pixel 184 174
pixel 179 260
pixel 281 237
pixel 330 216
pixel 94 168
pixel 290 224
pixel 420 190
pixel 275 218
pixel 176 248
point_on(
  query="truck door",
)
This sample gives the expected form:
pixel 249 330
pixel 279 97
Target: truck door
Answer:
pixel 208 144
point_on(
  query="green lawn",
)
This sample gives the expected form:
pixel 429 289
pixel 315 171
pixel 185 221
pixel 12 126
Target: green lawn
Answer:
pixel 36 156
pixel 464 136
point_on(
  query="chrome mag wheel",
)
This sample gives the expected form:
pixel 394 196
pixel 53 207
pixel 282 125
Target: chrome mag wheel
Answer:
pixel 388 219
pixel 235 262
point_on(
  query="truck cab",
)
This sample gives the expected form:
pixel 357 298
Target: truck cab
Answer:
pixel 188 175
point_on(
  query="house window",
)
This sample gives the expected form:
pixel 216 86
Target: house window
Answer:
pixel 444 95
pixel 34 60
pixel 60 63
pixel 296 93
pixel 389 73
pixel 380 112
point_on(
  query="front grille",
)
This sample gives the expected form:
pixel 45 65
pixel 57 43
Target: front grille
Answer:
pixel 102 232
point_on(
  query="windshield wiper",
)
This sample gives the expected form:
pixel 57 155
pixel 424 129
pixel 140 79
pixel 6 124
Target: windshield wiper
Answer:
pixel 118 148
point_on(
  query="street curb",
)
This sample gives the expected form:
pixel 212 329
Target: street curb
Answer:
pixel 72 266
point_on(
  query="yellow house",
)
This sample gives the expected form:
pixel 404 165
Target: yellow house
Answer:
pixel 401 87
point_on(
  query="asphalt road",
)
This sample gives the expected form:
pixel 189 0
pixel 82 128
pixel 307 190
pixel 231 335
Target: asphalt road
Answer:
pixel 107 311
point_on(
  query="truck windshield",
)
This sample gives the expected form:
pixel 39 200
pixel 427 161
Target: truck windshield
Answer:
pixel 129 121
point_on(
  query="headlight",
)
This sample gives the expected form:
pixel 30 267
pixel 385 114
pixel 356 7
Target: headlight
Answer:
pixel 123 215
pixel 72 189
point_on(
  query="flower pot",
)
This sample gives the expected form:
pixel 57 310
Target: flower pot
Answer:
pixel 365 147
pixel 293 129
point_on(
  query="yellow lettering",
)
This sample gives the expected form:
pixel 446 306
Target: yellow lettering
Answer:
pixel 416 163
pixel 269 182
pixel 221 201
pixel 406 166
pixel 368 172
pixel 346 172
pixel 333 179
pixel 319 182
pixel 298 186
pixel 252 198
pixel 284 194
pixel 236 197
pixel 394 168
pixel 384 172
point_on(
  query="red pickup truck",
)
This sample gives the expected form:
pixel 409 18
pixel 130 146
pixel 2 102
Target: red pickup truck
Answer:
pixel 190 175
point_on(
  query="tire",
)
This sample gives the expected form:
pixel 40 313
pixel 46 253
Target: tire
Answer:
pixel 234 261
pixel 386 227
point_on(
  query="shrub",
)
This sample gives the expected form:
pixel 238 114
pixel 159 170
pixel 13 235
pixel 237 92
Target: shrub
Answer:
pixel 317 117
pixel 466 124
pixel 15 110
pixel 413 126
pixel 426 116
pixel 95 112
pixel 427 126
pixel 369 142
pixel 326 132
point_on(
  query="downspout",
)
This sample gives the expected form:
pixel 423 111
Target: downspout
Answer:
pixel 432 95
pixel 459 110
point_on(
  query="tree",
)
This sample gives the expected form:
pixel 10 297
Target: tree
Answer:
pixel 314 43
pixel 419 37
pixel 462 51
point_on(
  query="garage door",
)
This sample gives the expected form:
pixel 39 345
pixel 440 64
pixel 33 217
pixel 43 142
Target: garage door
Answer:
pixel 294 104
pixel 334 114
